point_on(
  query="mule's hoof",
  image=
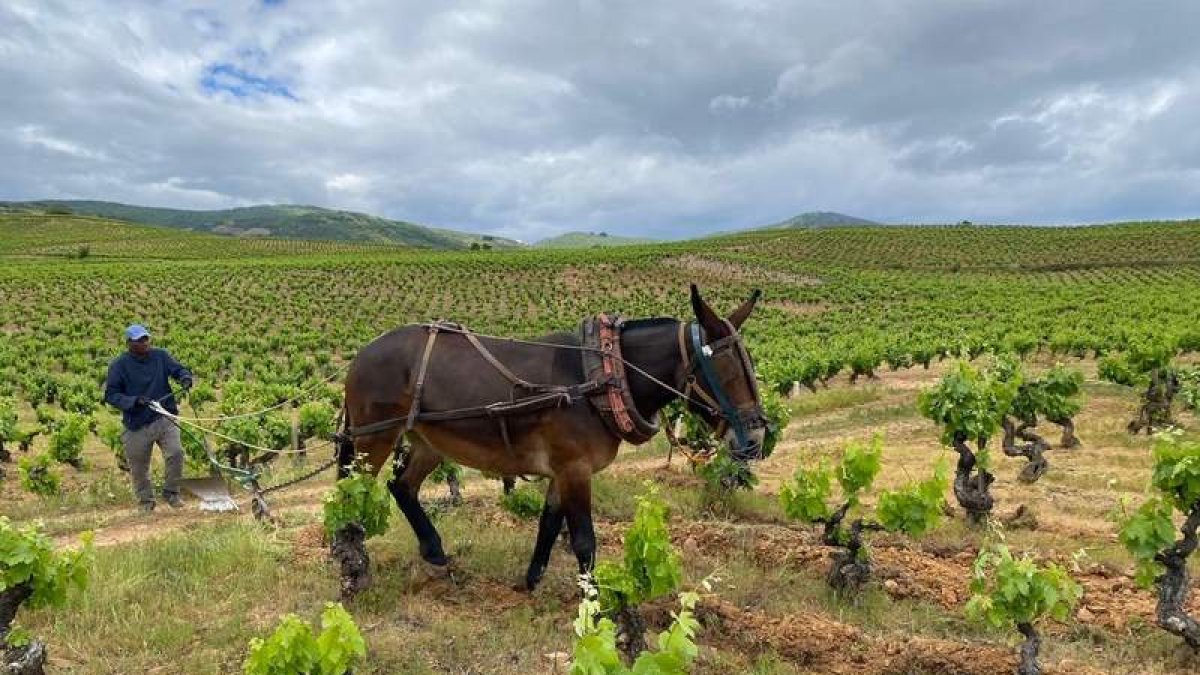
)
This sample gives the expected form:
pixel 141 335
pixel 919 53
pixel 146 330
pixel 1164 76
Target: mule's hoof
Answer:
pixel 435 571
pixel 1033 471
pixel 445 572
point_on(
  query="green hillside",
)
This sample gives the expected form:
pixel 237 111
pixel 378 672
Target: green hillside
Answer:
pixel 821 219
pixel 590 240
pixel 35 236
pixel 281 221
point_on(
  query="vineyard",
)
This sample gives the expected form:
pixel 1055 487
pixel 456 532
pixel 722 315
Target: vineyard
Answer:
pixel 882 535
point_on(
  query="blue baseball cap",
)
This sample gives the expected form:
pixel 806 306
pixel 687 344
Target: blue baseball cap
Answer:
pixel 136 332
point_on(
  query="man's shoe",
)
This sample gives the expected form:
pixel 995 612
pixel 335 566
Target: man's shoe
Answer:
pixel 146 507
pixel 175 502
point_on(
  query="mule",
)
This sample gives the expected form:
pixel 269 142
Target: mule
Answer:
pixel 433 384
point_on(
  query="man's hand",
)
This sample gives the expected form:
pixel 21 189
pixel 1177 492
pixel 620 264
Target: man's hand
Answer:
pixel 142 401
pixel 186 384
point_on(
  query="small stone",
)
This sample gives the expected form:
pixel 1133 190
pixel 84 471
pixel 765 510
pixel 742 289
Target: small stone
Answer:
pixel 891 587
pixel 1085 615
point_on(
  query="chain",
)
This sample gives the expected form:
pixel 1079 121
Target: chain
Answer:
pixel 299 479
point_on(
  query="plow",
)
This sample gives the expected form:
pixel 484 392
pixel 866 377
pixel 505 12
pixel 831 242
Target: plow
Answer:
pixel 213 490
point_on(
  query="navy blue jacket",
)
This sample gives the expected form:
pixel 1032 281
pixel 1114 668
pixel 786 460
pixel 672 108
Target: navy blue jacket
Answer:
pixel 130 376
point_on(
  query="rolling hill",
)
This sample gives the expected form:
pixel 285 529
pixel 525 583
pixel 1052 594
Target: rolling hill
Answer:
pixel 816 219
pixel 590 240
pixel 283 220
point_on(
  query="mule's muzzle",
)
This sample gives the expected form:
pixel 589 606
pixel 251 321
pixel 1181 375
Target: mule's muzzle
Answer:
pixel 748 445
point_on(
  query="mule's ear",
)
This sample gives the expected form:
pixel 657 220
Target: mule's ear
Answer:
pixel 709 321
pixel 741 313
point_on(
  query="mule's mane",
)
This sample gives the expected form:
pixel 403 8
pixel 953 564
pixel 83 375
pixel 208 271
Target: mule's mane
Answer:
pixel 652 322
pixel 572 337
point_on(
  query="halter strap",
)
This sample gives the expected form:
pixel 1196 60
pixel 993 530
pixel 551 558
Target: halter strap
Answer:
pixel 718 401
pixel 689 367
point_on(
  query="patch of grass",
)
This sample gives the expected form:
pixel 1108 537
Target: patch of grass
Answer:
pixel 189 600
pixel 860 417
pixel 736 505
pixel 100 489
pixel 826 400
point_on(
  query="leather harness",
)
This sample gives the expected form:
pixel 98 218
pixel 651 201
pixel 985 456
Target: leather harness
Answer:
pixel 605 384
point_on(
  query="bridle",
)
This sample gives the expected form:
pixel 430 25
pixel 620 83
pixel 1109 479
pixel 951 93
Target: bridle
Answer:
pixel 701 366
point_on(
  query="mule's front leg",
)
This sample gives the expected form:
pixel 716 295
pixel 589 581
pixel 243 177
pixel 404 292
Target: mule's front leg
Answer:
pixel 548 528
pixel 575 499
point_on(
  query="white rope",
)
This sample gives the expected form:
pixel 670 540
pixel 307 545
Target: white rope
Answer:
pixel 294 399
pixel 156 407
pixel 264 411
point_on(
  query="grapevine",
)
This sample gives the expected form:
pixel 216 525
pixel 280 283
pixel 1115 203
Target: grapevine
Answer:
pixel 913 509
pixel 970 406
pixel 357 508
pixel 1149 534
pixel 1009 591
pixel 293 647
pixel 650 569
pixel 34 574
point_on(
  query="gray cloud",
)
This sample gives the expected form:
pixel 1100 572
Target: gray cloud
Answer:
pixel 667 119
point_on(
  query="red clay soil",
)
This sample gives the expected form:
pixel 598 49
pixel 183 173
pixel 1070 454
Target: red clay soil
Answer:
pixel 822 645
pixel 1110 600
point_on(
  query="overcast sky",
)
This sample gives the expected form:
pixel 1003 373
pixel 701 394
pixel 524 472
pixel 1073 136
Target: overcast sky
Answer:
pixel 665 119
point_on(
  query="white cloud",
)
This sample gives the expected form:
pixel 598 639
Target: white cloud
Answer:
pixel 348 182
pixel 34 135
pixel 726 103
pixel 530 118
pixel 846 65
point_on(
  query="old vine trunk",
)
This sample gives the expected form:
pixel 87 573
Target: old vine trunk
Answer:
pixel 1173 584
pixel 972 484
pixel 350 551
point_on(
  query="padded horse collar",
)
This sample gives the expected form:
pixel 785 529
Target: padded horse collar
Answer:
pixel 604 365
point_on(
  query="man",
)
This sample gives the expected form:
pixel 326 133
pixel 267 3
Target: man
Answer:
pixel 135 380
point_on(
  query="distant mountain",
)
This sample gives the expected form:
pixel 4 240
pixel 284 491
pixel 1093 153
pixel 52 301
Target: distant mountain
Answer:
pixel 821 219
pixel 590 240
pixel 282 220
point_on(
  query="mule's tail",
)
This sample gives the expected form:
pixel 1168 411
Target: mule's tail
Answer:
pixel 345 444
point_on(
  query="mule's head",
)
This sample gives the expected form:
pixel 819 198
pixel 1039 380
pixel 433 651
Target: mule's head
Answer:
pixel 721 383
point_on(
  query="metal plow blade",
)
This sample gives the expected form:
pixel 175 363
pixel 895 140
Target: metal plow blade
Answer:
pixel 213 493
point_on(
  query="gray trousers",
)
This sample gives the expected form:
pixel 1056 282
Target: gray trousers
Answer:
pixel 139 443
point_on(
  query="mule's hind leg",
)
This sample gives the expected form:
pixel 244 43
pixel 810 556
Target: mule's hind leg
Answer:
pixel 422 460
pixel 548 526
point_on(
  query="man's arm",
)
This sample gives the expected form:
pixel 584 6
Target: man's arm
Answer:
pixel 177 371
pixel 114 389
